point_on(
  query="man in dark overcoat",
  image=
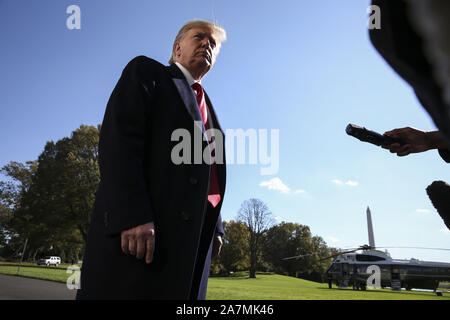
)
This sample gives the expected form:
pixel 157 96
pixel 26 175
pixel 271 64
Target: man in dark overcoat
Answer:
pixel 156 221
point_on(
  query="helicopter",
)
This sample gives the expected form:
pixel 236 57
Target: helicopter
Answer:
pixel 366 266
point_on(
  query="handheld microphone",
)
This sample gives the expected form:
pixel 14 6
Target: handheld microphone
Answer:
pixel 373 137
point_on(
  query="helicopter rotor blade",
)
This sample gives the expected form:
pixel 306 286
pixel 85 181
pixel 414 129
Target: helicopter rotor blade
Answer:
pixel 339 253
pixel 297 257
pixel 363 247
pixel 423 248
pixel 348 250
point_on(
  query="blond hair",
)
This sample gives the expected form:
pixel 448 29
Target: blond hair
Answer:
pixel 218 32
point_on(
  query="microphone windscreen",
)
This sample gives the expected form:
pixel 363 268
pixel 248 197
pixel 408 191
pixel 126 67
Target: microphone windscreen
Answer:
pixel 439 194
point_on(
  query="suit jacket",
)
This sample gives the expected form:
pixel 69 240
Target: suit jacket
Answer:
pixel 140 183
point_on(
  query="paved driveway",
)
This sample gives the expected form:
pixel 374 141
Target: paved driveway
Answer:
pixel 19 288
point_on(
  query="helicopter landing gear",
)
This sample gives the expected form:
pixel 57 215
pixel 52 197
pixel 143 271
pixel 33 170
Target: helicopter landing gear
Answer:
pixel 359 286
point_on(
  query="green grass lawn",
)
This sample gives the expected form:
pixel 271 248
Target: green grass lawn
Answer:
pixel 264 287
pixel 34 264
pixel 277 287
pixel 32 271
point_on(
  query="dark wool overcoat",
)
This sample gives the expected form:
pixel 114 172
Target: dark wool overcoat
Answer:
pixel 140 182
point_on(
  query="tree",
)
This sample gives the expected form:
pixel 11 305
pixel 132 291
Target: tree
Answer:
pixel 287 240
pixel 5 216
pixel 49 201
pixel 292 239
pixel 79 176
pixel 322 259
pixel 66 181
pixel 256 216
pixel 234 253
pixel 12 198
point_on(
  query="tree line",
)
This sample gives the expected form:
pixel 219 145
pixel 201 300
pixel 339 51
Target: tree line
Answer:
pixel 47 204
pixel 254 242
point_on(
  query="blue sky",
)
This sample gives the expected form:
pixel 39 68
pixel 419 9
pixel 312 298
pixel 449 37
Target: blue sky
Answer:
pixel 305 68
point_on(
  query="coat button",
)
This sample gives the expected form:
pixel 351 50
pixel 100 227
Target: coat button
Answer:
pixel 185 216
pixel 193 180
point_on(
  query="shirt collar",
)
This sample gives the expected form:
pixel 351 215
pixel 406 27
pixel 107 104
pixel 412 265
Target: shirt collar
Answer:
pixel 187 74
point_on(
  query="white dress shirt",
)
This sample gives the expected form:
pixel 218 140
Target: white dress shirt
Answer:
pixel 190 79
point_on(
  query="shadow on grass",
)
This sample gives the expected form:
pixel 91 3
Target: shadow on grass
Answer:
pixel 240 275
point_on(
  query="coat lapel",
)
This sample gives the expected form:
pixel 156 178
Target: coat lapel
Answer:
pixel 187 95
pixel 190 102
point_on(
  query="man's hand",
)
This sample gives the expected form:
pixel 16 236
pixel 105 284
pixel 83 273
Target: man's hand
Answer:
pixel 414 141
pixel 139 241
pixel 217 245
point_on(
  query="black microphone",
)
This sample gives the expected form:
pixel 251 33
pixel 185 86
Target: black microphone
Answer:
pixel 363 134
pixel 439 194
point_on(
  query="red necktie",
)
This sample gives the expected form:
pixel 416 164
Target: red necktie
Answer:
pixel 214 190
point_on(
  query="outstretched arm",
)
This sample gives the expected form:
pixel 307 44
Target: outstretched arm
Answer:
pixel 415 141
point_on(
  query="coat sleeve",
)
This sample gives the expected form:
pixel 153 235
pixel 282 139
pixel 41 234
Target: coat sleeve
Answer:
pixel 122 151
pixel 219 226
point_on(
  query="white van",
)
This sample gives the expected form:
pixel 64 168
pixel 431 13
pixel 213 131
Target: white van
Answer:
pixel 50 261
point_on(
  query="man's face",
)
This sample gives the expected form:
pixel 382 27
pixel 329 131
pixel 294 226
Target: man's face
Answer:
pixel 197 51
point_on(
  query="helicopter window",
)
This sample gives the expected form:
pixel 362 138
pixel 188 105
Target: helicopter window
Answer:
pixel 364 257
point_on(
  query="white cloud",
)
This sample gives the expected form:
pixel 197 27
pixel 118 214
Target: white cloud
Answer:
pixel 351 183
pixel 445 231
pixel 275 184
pixel 278 185
pixel 422 210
